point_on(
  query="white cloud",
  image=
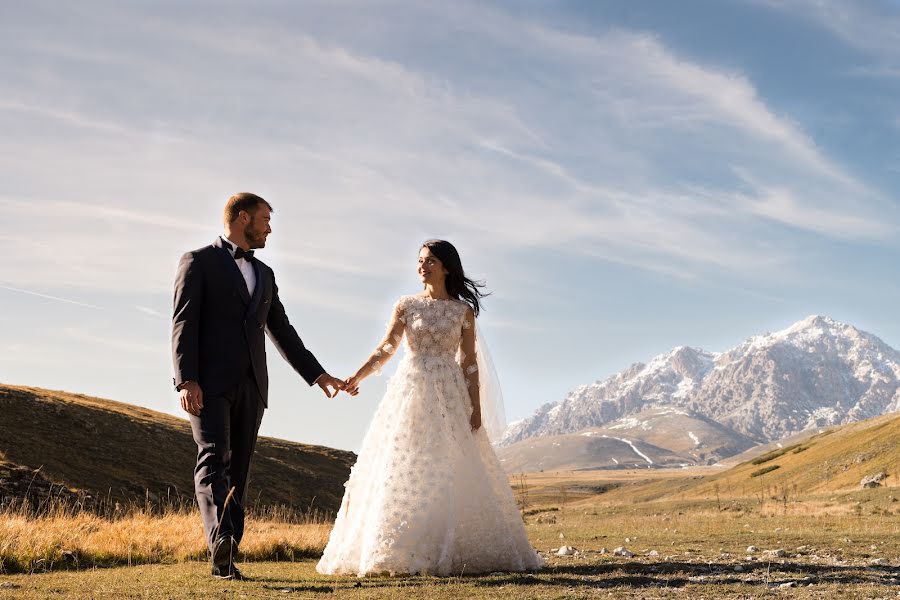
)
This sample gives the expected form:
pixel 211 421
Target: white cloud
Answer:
pixel 543 154
pixel 610 146
pixel 48 296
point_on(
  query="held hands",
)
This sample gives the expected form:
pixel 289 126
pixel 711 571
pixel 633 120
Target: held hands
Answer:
pixel 331 385
pixel 352 385
pixel 191 397
pixel 475 420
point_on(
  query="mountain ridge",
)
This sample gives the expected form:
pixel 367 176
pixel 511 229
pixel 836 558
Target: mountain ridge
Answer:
pixel 817 372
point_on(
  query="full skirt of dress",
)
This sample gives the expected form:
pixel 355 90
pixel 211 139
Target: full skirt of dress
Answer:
pixel 427 494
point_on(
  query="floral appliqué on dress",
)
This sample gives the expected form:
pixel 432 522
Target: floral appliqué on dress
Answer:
pixel 427 495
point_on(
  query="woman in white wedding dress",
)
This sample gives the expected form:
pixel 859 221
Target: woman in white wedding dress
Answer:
pixel 427 493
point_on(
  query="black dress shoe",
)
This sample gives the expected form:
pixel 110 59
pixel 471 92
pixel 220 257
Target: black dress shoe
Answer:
pixel 223 554
pixel 229 572
pixel 224 551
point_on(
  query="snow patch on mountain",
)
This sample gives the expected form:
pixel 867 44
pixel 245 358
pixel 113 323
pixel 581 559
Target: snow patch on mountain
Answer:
pixel 816 373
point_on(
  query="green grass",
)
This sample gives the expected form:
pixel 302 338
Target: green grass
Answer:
pixel 585 579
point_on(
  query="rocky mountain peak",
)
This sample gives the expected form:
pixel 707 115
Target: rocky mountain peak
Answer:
pixel 817 372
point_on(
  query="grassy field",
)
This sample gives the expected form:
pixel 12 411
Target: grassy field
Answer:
pixel 793 522
pixel 841 545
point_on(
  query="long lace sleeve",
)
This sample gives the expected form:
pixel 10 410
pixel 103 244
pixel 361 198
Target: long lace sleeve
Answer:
pixel 387 347
pixel 469 359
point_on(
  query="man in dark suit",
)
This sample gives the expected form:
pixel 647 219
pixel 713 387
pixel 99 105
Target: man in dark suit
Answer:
pixel 226 301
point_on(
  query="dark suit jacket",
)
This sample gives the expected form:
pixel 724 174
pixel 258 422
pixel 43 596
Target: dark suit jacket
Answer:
pixel 218 330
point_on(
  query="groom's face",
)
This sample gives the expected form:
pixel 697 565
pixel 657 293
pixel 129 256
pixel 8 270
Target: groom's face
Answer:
pixel 258 229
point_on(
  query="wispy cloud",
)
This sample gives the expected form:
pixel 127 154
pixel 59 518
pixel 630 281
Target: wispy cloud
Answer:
pixel 604 166
pixel 613 142
pixel 48 297
pixel 149 311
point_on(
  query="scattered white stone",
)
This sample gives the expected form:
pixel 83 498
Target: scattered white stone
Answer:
pixel 653 553
pixel 566 551
pixel 628 540
pixel 604 550
pixel 752 549
pixel 878 561
pixel 802 548
pixel 561 536
pixel 873 481
pixel 621 551
pixel 787 585
pixel 778 552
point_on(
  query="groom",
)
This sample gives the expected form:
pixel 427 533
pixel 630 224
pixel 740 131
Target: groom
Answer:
pixel 225 302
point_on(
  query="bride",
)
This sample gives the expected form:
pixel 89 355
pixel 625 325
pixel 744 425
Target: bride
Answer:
pixel 427 494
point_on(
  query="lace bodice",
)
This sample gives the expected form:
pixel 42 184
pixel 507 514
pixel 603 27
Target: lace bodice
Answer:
pixel 433 327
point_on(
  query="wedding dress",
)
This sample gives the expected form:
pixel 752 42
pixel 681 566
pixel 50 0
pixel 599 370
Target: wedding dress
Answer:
pixel 427 494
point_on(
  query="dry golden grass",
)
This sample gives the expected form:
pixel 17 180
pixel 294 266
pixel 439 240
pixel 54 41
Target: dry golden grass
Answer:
pixel 830 544
pixel 65 537
pixel 63 444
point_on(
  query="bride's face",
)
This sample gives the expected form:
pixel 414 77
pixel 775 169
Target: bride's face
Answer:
pixel 431 270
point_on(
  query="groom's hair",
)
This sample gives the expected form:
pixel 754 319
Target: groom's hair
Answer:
pixel 243 201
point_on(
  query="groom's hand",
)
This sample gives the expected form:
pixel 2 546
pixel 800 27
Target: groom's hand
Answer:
pixel 192 398
pixel 326 381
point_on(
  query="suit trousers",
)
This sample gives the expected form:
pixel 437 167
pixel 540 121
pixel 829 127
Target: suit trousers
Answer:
pixel 225 433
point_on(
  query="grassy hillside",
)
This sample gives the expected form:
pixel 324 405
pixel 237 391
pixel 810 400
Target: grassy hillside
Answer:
pixel 834 460
pixel 70 445
pixel 591 449
pixel 668 437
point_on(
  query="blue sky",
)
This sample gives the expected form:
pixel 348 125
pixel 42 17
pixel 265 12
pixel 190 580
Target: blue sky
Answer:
pixel 627 177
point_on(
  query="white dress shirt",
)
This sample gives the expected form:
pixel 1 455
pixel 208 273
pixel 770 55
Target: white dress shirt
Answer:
pixel 244 265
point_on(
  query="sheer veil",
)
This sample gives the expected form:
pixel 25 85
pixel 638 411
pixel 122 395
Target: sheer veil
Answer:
pixel 493 414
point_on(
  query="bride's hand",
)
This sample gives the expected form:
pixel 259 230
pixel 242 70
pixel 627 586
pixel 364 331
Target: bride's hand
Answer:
pixel 475 420
pixel 352 385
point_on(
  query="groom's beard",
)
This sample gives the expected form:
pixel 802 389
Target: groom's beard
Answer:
pixel 254 238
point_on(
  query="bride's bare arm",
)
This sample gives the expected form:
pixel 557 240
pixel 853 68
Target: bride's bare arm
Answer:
pixel 469 366
pixel 383 353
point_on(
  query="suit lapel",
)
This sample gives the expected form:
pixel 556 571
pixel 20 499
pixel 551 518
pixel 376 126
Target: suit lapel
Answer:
pixel 258 290
pixel 232 269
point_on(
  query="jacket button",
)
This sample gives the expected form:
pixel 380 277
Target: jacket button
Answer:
pixel 260 326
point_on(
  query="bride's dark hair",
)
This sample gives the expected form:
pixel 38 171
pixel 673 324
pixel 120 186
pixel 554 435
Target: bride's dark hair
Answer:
pixel 458 285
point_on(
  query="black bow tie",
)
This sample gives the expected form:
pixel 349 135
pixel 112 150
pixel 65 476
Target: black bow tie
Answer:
pixel 241 253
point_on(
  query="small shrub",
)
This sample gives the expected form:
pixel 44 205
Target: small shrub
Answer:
pixel 770 456
pixel 764 470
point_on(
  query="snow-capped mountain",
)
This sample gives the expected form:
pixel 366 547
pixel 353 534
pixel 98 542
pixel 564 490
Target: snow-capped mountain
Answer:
pixel 816 373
